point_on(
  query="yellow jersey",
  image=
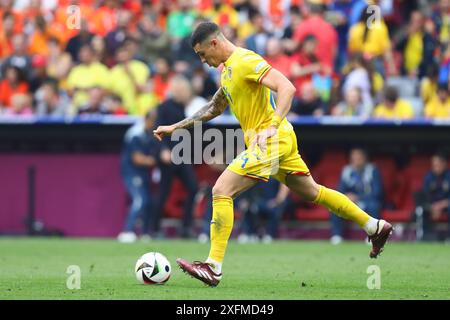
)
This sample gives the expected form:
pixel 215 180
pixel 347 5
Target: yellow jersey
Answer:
pixel 437 109
pixel 377 41
pixel 401 110
pixel 252 103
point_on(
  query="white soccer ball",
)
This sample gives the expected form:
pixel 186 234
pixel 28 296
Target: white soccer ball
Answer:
pixel 152 268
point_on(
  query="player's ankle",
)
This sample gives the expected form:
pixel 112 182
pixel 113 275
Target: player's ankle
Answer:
pixel 215 265
pixel 371 227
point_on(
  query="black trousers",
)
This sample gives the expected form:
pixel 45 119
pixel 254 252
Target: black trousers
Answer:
pixel 186 174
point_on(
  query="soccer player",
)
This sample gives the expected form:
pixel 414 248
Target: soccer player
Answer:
pixel 247 83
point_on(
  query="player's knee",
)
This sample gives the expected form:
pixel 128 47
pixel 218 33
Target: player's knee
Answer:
pixel 220 190
pixel 311 192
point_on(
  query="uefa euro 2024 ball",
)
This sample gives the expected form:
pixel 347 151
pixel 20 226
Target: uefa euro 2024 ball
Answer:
pixel 152 268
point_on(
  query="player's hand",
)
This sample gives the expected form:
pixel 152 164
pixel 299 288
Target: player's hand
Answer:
pixel 261 138
pixel 162 131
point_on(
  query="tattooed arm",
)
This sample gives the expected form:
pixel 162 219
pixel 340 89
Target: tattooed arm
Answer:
pixel 211 110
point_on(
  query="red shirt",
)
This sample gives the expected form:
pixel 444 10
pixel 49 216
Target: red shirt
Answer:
pixel 282 63
pixel 303 60
pixel 7 91
pixel 325 34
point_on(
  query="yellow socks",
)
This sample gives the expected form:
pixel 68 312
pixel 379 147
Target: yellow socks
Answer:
pixel 221 226
pixel 342 206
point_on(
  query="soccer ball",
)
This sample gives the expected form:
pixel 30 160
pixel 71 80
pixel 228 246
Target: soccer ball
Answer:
pixel 152 268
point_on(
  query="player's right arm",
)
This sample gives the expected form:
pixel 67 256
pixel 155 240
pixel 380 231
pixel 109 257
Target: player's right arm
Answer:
pixel 211 110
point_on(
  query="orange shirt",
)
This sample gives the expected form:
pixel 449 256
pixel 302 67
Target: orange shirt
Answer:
pixel 105 20
pixel 7 91
pixel 38 41
pixel 59 22
pixel 18 20
pixel 5 45
pixel 161 86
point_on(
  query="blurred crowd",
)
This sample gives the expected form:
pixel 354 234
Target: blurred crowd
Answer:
pixel 345 57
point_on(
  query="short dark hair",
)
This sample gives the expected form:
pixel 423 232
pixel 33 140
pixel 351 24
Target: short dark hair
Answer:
pixel 52 83
pixel 443 86
pixel 294 9
pixel 391 94
pixel 203 31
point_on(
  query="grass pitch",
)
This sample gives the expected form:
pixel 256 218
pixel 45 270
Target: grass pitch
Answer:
pixel 35 268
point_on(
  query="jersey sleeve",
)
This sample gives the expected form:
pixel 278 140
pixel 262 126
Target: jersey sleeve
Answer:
pixel 136 145
pixel 254 67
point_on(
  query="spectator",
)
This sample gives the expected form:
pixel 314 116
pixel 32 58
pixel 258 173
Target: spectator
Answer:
pixel 181 21
pixel 155 41
pixel 184 57
pixel 276 57
pixel 373 42
pixel 295 19
pixel 172 110
pixel 6 34
pixel 75 43
pixel 352 105
pixel 222 14
pixel 359 77
pixel 101 52
pixel 21 105
pixel 314 24
pixel 264 201
pixel 338 16
pixel 13 83
pixel 245 27
pixel 357 9
pixel 309 103
pixel 59 63
pixel 440 19
pixel 361 182
pixel 116 38
pixel 418 47
pixel 439 106
pixel 114 105
pixel 88 74
pixel 129 79
pixel 140 152
pixel 161 78
pixel 434 197
pixel 95 103
pixel 60 19
pixel 49 102
pixel 305 63
pixel 429 84
pixel 39 38
pixel 105 18
pixel 39 73
pixel 19 57
pixel 393 107
pixel 257 41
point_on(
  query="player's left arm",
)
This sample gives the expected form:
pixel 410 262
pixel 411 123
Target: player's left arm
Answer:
pixel 285 90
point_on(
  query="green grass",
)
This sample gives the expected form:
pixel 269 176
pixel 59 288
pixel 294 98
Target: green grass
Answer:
pixel 36 269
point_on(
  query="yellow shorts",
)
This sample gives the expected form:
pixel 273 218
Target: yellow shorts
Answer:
pixel 280 159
